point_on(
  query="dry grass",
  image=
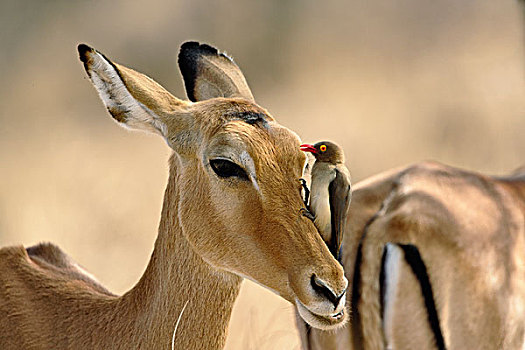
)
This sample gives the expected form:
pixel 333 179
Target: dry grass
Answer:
pixel 394 83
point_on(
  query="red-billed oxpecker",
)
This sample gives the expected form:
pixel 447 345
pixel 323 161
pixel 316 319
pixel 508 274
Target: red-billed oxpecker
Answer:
pixel 330 192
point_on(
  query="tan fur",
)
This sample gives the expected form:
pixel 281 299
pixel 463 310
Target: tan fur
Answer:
pixel 212 232
pixel 470 231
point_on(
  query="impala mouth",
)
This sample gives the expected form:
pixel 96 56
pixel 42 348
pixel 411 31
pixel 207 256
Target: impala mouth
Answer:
pixel 325 322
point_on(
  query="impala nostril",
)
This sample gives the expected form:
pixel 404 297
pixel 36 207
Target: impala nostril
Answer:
pixel 320 287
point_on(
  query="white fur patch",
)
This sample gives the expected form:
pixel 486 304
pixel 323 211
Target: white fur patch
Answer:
pixel 249 165
pixel 392 267
pixel 119 100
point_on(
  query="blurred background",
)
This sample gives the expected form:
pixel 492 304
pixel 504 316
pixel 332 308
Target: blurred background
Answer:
pixel 394 82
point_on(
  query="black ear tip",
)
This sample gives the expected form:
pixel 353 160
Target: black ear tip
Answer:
pixel 83 49
pixel 207 49
pixel 194 48
pixel 189 45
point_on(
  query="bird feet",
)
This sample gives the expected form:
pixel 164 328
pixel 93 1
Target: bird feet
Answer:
pixel 306 192
pixel 307 213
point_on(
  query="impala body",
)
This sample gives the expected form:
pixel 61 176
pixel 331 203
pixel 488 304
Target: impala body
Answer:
pixel 435 257
pixel 232 209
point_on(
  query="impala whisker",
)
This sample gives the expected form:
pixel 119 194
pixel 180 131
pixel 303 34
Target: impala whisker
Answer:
pixel 177 325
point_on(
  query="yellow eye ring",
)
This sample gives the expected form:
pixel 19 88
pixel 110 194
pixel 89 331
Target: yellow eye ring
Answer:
pixel 322 148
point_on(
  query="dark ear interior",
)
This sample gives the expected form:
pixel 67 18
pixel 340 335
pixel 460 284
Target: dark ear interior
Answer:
pixel 209 73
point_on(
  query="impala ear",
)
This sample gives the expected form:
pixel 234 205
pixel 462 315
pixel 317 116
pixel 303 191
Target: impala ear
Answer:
pixel 208 73
pixel 133 99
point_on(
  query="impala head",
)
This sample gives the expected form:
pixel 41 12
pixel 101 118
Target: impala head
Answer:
pixel 236 172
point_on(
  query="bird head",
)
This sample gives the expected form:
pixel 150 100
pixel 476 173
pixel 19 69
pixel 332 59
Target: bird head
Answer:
pixel 325 151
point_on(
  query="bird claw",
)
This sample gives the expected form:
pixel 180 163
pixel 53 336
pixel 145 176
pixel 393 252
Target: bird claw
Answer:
pixel 306 191
pixel 305 212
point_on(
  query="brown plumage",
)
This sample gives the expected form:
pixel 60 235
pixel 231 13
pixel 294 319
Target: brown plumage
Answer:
pixel 330 192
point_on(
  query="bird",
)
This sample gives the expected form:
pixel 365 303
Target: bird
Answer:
pixel 330 192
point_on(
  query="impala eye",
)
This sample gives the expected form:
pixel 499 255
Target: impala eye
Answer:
pixel 225 168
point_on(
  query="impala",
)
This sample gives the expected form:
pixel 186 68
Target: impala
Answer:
pixel 436 260
pixel 232 209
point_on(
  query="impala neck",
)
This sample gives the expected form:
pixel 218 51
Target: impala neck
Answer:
pixel 176 275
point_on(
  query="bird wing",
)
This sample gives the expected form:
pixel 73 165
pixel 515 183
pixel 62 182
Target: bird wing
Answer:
pixel 340 196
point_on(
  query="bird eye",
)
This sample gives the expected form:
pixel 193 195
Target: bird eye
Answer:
pixel 322 148
pixel 225 169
